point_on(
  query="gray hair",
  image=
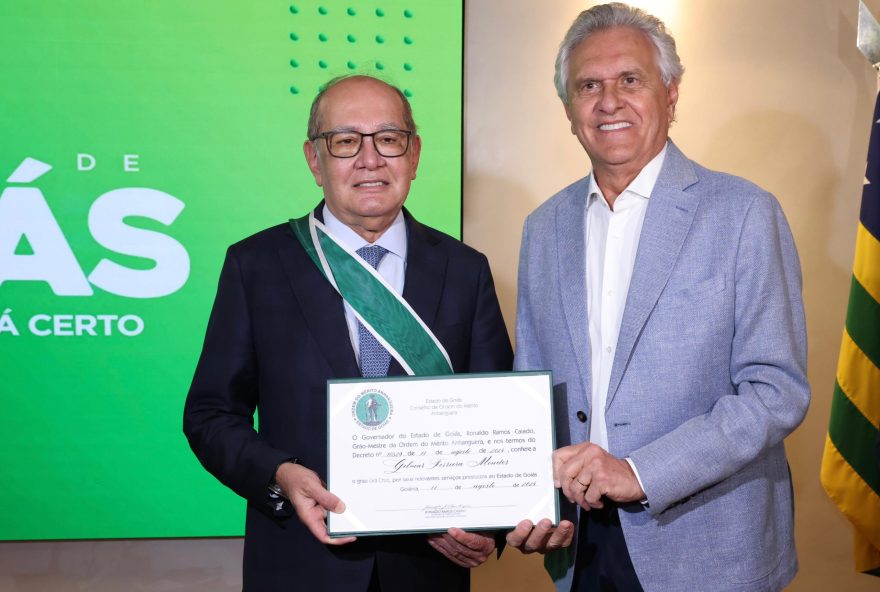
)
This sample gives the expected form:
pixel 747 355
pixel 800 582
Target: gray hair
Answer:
pixel 314 125
pixel 608 16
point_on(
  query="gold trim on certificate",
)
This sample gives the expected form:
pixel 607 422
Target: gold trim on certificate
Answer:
pixel 423 454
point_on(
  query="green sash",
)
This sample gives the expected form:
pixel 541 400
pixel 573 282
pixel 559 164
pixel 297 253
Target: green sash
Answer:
pixel 382 311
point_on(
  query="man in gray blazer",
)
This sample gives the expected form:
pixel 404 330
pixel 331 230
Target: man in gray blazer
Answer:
pixel 666 300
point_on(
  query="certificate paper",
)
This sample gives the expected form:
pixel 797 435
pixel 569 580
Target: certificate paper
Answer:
pixel 423 454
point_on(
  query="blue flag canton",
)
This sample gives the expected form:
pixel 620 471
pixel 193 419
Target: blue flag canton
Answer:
pixel 870 212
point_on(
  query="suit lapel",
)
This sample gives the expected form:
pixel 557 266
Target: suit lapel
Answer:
pixel 320 304
pixel 571 271
pixel 668 220
pixel 425 277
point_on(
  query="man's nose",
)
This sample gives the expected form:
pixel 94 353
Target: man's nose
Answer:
pixel 609 99
pixel 369 157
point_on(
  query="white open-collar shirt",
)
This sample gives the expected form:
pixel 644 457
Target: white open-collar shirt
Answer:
pixel 612 240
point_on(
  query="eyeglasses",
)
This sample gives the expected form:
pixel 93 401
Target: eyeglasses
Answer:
pixel 388 143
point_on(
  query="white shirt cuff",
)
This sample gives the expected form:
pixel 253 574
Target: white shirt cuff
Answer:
pixel 632 465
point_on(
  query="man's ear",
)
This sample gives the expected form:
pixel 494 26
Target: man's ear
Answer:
pixel 568 116
pixel 672 99
pixel 312 159
pixel 416 148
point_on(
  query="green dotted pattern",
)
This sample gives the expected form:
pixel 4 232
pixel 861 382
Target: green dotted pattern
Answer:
pixel 415 45
pixel 334 38
pixel 230 149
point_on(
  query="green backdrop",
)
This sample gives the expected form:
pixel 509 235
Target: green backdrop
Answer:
pixel 138 139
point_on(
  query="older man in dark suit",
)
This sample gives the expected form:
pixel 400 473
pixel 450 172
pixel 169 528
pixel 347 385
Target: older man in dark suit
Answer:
pixel 280 329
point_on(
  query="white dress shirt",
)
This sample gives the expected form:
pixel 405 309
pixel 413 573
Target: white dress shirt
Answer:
pixel 612 240
pixel 392 267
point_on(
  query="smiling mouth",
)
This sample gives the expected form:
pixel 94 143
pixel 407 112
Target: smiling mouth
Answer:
pixel 610 127
pixel 371 184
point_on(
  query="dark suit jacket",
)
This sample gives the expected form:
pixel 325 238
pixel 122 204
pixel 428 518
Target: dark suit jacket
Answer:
pixel 276 334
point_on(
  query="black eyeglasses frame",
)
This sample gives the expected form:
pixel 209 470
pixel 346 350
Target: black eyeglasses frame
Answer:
pixel 327 135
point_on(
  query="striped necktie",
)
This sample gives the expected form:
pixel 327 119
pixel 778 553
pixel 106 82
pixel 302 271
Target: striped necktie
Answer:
pixel 374 359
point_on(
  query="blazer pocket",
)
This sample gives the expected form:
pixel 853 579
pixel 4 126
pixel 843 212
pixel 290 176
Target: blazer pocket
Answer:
pixel 694 294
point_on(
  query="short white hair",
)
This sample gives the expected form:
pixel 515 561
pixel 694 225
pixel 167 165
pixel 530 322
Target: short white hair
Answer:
pixel 609 16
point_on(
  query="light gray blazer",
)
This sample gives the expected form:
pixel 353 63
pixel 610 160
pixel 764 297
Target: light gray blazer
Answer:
pixel 708 378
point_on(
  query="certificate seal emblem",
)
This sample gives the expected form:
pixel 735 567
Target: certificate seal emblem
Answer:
pixel 372 409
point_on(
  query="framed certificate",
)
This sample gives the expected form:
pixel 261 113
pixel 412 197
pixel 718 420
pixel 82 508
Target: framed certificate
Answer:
pixel 423 454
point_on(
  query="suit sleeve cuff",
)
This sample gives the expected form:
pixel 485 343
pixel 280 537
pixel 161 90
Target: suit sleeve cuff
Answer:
pixel 278 503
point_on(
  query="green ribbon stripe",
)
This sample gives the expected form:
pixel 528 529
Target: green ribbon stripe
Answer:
pixel 300 228
pixel 377 305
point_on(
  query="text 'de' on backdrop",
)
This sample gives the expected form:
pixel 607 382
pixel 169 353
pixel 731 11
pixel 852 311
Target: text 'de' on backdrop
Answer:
pixel 139 140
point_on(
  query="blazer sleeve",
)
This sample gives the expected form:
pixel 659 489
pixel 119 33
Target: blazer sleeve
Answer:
pixel 490 349
pixel 767 370
pixel 218 417
pixel 527 345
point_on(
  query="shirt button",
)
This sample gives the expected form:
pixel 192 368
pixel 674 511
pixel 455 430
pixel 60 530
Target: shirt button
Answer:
pixel 608 349
pixel 582 417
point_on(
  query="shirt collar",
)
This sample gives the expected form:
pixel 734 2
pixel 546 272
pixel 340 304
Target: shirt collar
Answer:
pixel 393 239
pixel 642 185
